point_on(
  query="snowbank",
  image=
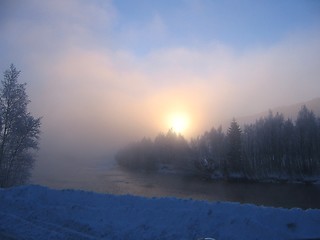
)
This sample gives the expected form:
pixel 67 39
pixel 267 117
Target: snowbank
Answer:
pixel 34 212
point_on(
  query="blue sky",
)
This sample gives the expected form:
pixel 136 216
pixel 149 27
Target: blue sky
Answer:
pixel 239 24
pixel 102 73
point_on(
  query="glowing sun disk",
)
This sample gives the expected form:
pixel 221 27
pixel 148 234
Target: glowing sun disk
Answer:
pixel 179 123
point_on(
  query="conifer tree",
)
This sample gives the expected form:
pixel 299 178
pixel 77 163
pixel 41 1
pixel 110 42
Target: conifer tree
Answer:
pixel 233 164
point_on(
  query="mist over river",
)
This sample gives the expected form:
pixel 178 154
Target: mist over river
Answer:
pixel 114 180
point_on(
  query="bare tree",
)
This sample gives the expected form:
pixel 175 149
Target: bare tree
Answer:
pixel 19 131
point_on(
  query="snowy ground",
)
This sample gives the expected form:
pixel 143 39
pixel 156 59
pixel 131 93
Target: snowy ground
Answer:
pixel 34 212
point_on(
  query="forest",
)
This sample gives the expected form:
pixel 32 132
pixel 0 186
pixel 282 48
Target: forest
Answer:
pixel 271 149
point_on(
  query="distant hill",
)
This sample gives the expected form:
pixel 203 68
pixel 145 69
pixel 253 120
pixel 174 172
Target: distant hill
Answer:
pixel 290 111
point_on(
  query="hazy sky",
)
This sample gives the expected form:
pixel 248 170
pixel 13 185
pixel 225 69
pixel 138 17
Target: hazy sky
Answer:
pixel 102 73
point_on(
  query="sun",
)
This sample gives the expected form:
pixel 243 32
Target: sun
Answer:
pixel 179 123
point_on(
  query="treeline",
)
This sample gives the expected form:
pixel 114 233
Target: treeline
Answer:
pixel 167 152
pixel 273 148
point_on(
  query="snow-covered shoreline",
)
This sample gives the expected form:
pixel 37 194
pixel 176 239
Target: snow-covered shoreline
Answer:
pixel 35 212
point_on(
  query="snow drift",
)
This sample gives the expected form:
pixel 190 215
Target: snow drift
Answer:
pixel 34 212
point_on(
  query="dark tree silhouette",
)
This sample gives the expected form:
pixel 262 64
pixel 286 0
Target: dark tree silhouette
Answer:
pixel 271 149
pixel 167 151
pixel 233 164
pixel 307 141
pixel 209 152
pixel 19 131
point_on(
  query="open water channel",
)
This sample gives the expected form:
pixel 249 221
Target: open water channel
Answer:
pixel 116 181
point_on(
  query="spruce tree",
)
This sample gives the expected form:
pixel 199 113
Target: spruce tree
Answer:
pixel 233 164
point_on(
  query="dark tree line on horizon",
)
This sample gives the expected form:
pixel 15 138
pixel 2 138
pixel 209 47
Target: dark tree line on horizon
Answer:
pixel 272 148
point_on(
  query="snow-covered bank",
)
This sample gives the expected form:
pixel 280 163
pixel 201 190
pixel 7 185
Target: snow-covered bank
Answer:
pixel 34 212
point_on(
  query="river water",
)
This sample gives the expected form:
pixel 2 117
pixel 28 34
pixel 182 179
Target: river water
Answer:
pixel 284 195
pixel 116 181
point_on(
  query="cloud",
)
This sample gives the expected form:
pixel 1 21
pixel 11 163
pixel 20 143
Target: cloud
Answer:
pixel 45 27
pixel 95 96
pixel 282 74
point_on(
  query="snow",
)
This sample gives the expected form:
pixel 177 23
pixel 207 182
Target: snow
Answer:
pixel 35 212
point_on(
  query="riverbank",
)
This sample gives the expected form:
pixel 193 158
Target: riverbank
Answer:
pixel 34 212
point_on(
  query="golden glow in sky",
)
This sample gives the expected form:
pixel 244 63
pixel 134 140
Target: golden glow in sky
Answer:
pixel 179 122
pixel 142 70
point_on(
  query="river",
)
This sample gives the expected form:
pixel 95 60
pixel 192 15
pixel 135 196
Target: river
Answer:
pixel 116 181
